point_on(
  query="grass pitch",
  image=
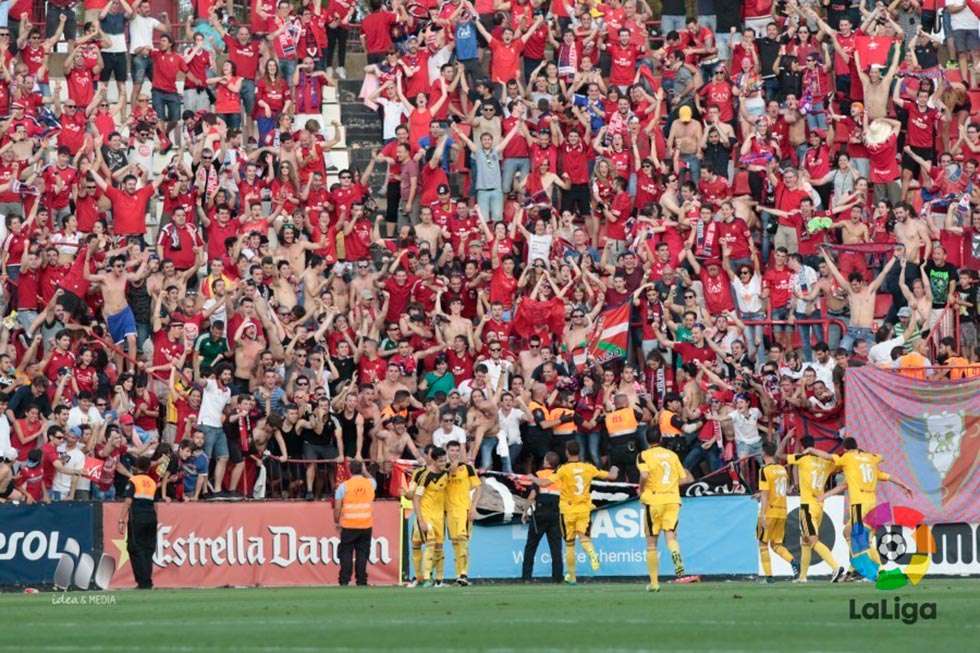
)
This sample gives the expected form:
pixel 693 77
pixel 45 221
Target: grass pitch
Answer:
pixel 720 616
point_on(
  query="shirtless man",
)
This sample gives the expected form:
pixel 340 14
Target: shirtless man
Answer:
pixel 118 315
pixel 794 118
pixel 530 359
pixel 248 346
pixel 912 232
pixel 861 299
pixel 283 285
pixel 294 250
pixel 919 296
pixel 877 85
pixel 393 440
pixel 578 329
pixel 684 141
pixel 853 232
pixel 481 421
pixel 427 231
pixel 390 384
pixel 365 279
pixel 456 324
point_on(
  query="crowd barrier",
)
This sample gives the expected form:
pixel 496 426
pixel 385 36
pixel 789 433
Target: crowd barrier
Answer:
pixel 274 544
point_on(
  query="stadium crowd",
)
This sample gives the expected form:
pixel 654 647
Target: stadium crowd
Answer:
pixel 776 192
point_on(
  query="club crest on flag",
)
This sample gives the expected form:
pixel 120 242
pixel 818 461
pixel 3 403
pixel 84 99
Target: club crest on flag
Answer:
pixel 941 450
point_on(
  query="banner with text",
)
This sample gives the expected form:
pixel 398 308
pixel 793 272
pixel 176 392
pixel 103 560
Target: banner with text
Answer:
pixel 716 534
pixel 267 544
pixel 928 434
pixel 32 539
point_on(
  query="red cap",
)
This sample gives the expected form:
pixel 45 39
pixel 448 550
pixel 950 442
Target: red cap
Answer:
pixel 126 418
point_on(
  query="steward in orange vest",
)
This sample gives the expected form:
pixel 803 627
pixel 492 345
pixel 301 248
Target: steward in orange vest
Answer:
pixel 139 518
pixel 354 511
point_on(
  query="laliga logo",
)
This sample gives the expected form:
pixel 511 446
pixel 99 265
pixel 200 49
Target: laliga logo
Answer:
pixel 75 567
pixel 894 547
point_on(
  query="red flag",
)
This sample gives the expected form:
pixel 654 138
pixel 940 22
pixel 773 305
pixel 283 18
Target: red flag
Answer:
pixel 873 50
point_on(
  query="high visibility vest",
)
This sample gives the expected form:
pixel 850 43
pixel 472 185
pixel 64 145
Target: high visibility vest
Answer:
pixel 144 487
pixel 621 422
pixel 562 429
pixel 667 429
pixel 356 510
pixel 548 489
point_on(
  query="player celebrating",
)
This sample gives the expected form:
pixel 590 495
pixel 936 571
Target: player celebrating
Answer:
pixel 574 480
pixel 773 481
pixel 861 476
pixel 661 475
pixel 813 472
pixel 407 496
pixel 460 508
pixel 429 502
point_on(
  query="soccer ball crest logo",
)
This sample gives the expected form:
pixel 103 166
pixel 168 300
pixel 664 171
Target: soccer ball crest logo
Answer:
pixel 904 559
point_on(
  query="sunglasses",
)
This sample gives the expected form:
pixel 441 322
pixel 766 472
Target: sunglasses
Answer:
pixel 495 349
pixel 345 176
pixel 688 296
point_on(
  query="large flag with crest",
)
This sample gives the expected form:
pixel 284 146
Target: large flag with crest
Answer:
pixel 928 433
pixel 609 339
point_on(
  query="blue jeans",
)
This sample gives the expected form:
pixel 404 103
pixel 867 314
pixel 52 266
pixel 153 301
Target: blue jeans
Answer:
pixel 514 451
pixel 592 446
pixel 166 105
pixel 215 441
pixel 103 495
pixel 486 452
pixel 817 117
pixel 693 163
pixel 491 203
pixel 286 69
pixel 510 167
pixel 805 331
pixel 672 24
pixel 854 334
pixel 694 457
pixel 723 42
pixel 247 93
pixel 57 496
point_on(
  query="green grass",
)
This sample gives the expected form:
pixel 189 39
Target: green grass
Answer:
pixel 722 616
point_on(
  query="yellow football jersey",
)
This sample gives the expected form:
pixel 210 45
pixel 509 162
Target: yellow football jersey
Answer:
pixel 431 490
pixel 574 480
pixel 461 482
pixel 814 473
pixel 773 480
pixel 664 473
pixel 862 475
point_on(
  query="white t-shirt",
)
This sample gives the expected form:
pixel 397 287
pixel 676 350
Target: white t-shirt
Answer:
pixel 141 31
pixel 77 417
pixel 510 426
pixel 882 352
pixel 393 110
pixel 4 433
pixel 824 373
pixel 747 426
pixel 213 402
pixel 76 461
pixel 965 19
pixel 748 295
pixel 496 368
pixel 440 437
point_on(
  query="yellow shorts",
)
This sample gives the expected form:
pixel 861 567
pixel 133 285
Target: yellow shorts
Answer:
pixel 858 511
pixel 576 523
pixel 662 517
pixel 772 530
pixel 436 532
pixel 458 524
pixel 811 515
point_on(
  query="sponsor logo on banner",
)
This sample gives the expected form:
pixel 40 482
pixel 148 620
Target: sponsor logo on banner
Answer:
pixel 716 534
pixel 34 537
pixel 254 544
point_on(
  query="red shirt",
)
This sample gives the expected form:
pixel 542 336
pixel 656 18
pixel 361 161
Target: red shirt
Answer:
pixel 183 257
pixel 884 161
pixel 719 94
pixel 623 57
pixel 717 292
pixel 376 28
pixel 503 288
pixel 165 349
pixel 166 67
pixel 575 162
pixel 129 211
pixel 922 126
pixel 505 59
pixel 778 283
pixel 245 57
pixel 736 235
pixel 81 87
pixel 72 134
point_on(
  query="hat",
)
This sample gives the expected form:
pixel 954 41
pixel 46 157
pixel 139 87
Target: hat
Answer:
pixel 684 113
pixel 712 261
pixel 857 105
pixel 126 418
pixel 878 132
pixel 76 431
pixel 905 311
pixel 443 188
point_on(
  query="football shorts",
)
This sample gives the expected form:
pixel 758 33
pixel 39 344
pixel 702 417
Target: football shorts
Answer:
pixel 662 517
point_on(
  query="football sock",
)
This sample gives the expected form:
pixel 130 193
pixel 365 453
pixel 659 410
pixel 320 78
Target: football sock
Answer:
pixel 439 560
pixel 589 549
pixel 426 564
pixel 652 561
pixel 417 562
pixel 783 552
pixel 570 560
pixel 805 552
pixel 675 555
pixel 461 557
pixel 825 555
pixel 766 561
pixel 873 550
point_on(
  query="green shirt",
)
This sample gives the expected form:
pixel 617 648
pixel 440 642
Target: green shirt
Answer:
pixel 210 349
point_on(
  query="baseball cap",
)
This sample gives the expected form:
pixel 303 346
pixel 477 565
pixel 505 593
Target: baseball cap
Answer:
pixel 76 432
pixel 443 188
pixel 126 418
pixel 684 113
pixel 905 311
